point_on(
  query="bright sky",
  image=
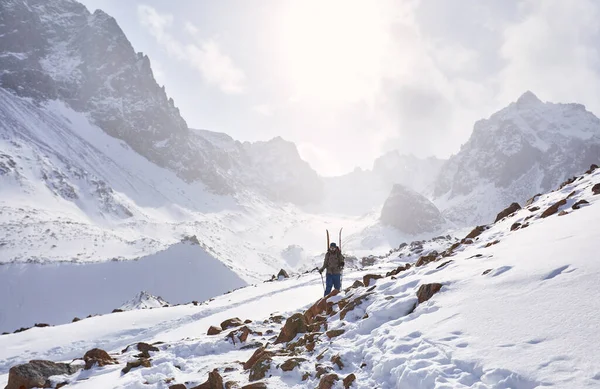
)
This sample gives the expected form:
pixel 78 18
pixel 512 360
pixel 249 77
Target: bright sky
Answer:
pixel 350 80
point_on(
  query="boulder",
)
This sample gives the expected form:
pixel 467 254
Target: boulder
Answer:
pixel 357 284
pixel 353 304
pixel 145 349
pixel 514 207
pixel 476 232
pixel 337 360
pixel 410 212
pixel 293 326
pixel 259 370
pixel 327 381
pixel 282 274
pixel 596 189
pixel 141 362
pixel 553 209
pixel 255 385
pixel 291 364
pixel 35 374
pixel 431 257
pixel 212 330
pixel 334 333
pixel 318 308
pixel 349 380
pixel 515 226
pixel 97 357
pixel 367 278
pixel 231 323
pixel 426 291
pixel 260 352
pixel 591 169
pixel 578 204
pixel 215 381
pixel 177 386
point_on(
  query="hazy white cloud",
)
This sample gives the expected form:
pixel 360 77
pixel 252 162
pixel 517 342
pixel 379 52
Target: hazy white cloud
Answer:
pixel 206 56
pixel 263 109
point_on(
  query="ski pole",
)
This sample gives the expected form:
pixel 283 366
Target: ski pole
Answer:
pixel 323 281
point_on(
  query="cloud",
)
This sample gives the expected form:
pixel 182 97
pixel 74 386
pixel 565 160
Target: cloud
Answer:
pixel 206 56
pixel 263 109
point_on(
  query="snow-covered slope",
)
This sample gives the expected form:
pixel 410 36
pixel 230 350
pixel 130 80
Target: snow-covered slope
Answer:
pixel 527 148
pixel 517 308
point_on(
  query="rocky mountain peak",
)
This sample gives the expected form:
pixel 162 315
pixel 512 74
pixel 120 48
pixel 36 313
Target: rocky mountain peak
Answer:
pixel 528 99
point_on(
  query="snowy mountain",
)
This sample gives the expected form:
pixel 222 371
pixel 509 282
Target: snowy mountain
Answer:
pixel 58 51
pixel 527 148
pixel 144 300
pixel 512 305
pixel 411 213
pixel 363 191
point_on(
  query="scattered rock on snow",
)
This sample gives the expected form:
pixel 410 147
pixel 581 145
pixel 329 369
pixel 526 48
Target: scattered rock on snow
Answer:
pixel 293 326
pixel 141 362
pixel 212 330
pixel 291 364
pixel 259 370
pixel 255 357
pixel 177 386
pixel 334 333
pixel 514 207
pixel 591 169
pixel 425 259
pixel 367 278
pixel 596 189
pixel 35 374
pixel 578 204
pixel 476 232
pixel 256 385
pixel 215 381
pixel 353 304
pixel 231 323
pixel 328 381
pixel 553 209
pixel 515 226
pixel 532 200
pixel 349 380
pixel 426 291
pixel 98 357
pixel 145 349
pixel 337 360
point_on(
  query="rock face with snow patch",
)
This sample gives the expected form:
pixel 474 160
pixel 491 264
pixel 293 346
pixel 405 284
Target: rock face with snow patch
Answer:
pixel 410 212
pixel 528 147
pixel 58 50
pixel 144 300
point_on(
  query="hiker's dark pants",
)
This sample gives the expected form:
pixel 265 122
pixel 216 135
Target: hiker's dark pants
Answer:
pixel 333 280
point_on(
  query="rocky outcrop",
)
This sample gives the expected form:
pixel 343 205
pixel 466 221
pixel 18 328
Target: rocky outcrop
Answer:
pixel 553 208
pixel 427 291
pixel 231 323
pixel 294 325
pixel 97 357
pixel 410 212
pixel 282 274
pixel 212 330
pixel 327 381
pixel 35 374
pixel 511 209
pixel 596 189
pixel 215 381
pixel 349 380
pixel 370 277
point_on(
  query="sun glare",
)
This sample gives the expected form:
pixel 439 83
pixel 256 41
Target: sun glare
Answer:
pixel 333 50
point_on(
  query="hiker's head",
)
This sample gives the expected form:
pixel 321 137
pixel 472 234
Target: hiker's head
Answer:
pixel 332 246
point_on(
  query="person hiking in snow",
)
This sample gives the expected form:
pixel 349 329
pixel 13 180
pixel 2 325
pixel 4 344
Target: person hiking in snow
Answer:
pixel 334 263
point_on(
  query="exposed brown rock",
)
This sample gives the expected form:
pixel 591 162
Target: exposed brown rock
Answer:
pixel 277 319
pixel 337 360
pixel 212 330
pixel 35 374
pixel 534 209
pixel 490 244
pixel 442 265
pixel 532 200
pixel 293 326
pixel 353 304
pixel 514 207
pixel 553 209
pixel 291 364
pixel 592 168
pixel 41 325
pixel 349 380
pixel 334 333
pixel 425 259
pixel 563 213
pixel 596 189
pixel 567 182
pixel 367 278
pixel 232 385
pixel 97 357
pixel 259 370
pixel 177 386
pixel 75 320
pixel 426 291
pixel 230 323
pixel 476 232
pixel 398 270
pixel 318 308
pixel 215 381
pixel 578 204
pixel 515 226
pixel 141 362
pixel 145 349
pixel 255 385
pixel 260 352
pixel 357 284
pixel 328 381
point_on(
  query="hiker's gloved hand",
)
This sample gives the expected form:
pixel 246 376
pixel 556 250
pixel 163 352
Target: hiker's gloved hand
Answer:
pixel 320 271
